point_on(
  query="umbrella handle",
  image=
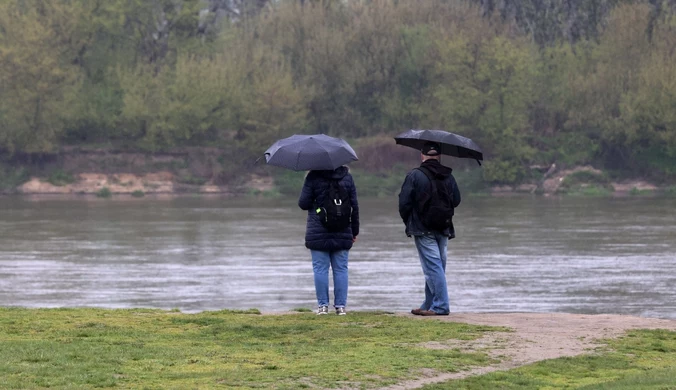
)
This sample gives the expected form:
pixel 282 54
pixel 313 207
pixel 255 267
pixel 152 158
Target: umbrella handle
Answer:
pixel 478 162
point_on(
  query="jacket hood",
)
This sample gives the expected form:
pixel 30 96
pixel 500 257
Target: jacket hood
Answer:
pixel 439 171
pixel 335 174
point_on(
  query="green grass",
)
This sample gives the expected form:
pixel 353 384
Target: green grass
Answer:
pixel 643 359
pixel 95 348
pixel 636 192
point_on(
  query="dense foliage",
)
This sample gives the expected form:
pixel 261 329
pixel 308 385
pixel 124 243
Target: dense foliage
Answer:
pixel 533 82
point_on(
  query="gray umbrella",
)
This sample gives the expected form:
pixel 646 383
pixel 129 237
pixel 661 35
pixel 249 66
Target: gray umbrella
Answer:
pixel 310 152
pixel 451 144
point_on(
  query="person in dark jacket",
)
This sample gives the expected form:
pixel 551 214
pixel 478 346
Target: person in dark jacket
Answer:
pixel 431 244
pixel 329 248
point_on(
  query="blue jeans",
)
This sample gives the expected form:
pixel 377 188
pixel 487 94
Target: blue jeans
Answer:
pixel 321 260
pixel 432 251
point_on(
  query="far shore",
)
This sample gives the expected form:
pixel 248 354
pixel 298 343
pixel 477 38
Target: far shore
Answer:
pixel 164 185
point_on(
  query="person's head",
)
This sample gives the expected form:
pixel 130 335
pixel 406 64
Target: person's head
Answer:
pixel 430 151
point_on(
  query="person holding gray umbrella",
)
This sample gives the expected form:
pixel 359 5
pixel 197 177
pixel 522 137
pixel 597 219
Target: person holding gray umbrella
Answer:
pixel 330 198
pixel 427 199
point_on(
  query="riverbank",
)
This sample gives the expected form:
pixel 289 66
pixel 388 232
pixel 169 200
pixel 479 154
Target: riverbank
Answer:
pixel 106 172
pixel 565 182
pixel 61 348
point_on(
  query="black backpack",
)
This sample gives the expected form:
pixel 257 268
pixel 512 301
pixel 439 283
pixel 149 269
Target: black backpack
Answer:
pixel 435 207
pixel 336 211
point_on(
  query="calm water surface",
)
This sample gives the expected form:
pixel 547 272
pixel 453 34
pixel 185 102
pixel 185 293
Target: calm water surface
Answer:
pixel 576 255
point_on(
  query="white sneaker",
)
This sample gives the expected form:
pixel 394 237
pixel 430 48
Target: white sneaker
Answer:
pixel 322 310
pixel 341 311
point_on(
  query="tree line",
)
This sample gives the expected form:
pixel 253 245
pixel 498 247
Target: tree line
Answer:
pixel 531 81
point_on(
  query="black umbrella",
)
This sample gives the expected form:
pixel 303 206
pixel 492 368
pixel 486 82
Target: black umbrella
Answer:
pixel 310 152
pixel 451 144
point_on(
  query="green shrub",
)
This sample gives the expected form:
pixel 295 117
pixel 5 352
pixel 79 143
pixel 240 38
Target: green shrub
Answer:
pixel 138 194
pixel 104 193
pixel 471 181
pixel 11 177
pixel 587 183
pixel 192 180
pixel 502 171
pixel 379 184
pixel 288 182
pixel 637 192
pixel 60 178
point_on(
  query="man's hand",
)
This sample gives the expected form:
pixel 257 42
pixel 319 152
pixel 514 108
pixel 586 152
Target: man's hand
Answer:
pixel 354 239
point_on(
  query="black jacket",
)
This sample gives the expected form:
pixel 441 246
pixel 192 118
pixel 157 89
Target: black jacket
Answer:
pixel 415 184
pixel 314 189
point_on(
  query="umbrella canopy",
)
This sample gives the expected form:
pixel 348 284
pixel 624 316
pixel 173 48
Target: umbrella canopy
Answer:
pixel 310 152
pixel 451 144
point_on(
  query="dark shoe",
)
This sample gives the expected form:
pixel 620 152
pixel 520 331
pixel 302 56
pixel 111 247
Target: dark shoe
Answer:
pixel 417 312
pixel 431 313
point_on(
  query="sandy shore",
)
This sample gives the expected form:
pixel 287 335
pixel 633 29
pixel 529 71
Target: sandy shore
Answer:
pixel 535 337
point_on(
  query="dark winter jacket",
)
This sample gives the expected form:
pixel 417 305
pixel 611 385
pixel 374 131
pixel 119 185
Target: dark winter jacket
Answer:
pixel 314 190
pixel 415 184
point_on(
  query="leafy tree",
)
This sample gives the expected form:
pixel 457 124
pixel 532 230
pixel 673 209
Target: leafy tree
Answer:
pixel 39 43
pixel 484 91
pixel 550 21
pixel 604 74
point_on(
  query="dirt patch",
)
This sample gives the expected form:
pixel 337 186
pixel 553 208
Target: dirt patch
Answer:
pixel 128 183
pixel 91 183
pixel 626 187
pixel 536 336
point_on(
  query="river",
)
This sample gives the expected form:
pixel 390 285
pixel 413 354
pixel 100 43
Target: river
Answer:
pixel 511 254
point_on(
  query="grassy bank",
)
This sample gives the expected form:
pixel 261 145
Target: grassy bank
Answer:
pixel 140 348
pixel 88 348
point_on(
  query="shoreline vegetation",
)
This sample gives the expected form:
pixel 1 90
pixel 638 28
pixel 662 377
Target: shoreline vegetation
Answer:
pixel 152 348
pixel 106 172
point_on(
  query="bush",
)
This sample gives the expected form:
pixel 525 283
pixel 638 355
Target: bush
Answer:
pixel 60 178
pixel 502 171
pixel 380 185
pixel 104 193
pixel 288 182
pixel 10 177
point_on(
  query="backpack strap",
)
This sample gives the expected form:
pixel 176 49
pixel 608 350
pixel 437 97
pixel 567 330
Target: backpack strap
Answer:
pixel 425 171
pixel 432 180
pixel 335 186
